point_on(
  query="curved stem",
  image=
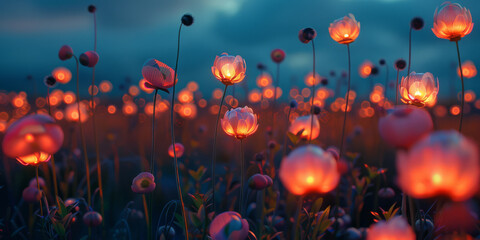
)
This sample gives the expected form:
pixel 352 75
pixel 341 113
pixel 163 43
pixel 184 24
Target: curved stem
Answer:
pixel 242 177
pixel 52 158
pixel 38 187
pixel 396 88
pixel 177 177
pixel 463 88
pixel 215 149
pixel 313 93
pixel 346 101
pixel 84 144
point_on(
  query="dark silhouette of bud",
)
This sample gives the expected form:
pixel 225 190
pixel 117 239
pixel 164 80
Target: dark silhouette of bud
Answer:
pixel 92 8
pixel 400 64
pixel 417 23
pixel 382 61
pixel 187 20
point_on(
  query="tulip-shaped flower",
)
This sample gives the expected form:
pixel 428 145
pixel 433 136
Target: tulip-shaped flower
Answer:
pixel 240 122
pixel 229 69
pixel 404 125
pixel 452 21
pixel 344 30
pixel 309 169
pixel 158 75
pixel 32 139
pixel 304 123
pixel 419 89
pixel 143 183
pixel 229 225
pixel 396 228
pixel 443 163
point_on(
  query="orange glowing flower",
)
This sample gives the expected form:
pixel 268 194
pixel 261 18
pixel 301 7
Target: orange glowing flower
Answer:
pixel 229 69
pixel 141 84
pixel 179 150
pixel 158 75
pixel 304 123
pixel 443 163
pixel 62 75
pixel 254 96
pixel 419 89
pixel 240 122
pixel 344 30
pixel 310 80
pixel 309 169
pixel 129 108
pixel 185 96
pixel 468 68
pixel 264 80
pixel 452 21
pixel 33 139
pixel 396 228
pixel 365 69
pixel 106 86
pixel 71 112
pixel 188 111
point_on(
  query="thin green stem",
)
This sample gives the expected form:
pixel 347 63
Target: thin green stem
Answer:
pixel 313 93
pixel 152 157
pixel 177 175
pixel 214 157
pixel 40 190
pixel 385 98
pixel 346 101
pixel 463 88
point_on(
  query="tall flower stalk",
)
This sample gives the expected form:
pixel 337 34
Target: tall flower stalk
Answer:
pixel 52 158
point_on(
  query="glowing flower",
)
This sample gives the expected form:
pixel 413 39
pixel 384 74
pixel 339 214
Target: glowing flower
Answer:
pixel 264 80
pixel 396 228
pixel 62 75
pixel 188 111
pixel 419 89
pixel 143 183
pixel 452 21
pixel 277 55
pixel 344 30
pixel 229 225
pixel 310 80
pixel 158 75
pixel 309 169
pixel 179 149
pixel 240 122
pixel 365 69
pixel 260 181
pixel 33 139
pixel 71 112
pixel 443 163
pixel 229 69
pixel 468 68
pixel 89 59
pixel 404 125
pixel 304 123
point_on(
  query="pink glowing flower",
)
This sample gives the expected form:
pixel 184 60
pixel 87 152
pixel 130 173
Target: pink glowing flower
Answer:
pixel 229 69
pixel 419 89
pixel 158 75
pixel 179 149
pixel 452 21
pixel 344 30
pixel 143 183
pixel 229 225
pixel 396 228
pixel 240 122
pixel 304 123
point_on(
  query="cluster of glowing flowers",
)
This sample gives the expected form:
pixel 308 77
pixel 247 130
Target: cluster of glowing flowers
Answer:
pixel 129 108
pixel 229 225
pixel 376 96
pixel 179 150
pixel 62 75
pixel 310 80
pixel 344 30
pixel 468 68
pixel 309 169
pixel 269 93
pixel 304 124
pixel 239 122
pixel 188 111
pixel 32 139
pixel 72 114
pixel 443 163
pixel 404 125
pixel 396 228
pixel 366 111
pixel 259 181
pixel 277 55
pixel 452 21
pixel 264 80
pixel 143 183
pixel 419 89
pixel 229 69
pixel 158 75
pixel 365 69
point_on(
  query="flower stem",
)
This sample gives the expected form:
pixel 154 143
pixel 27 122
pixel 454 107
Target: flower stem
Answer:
pixel 179 188
pixel 396 88
pixel 38 187
pixel 463 88
pixel 215 149
pixel 313 93
pixel 277 82
pixel 409 51
pixel 242 177
pixel 147 218
pixel 346 102
pixel 152 158
pixel 285 137
pixel 297 218
pixel 385 98
pixel 52 158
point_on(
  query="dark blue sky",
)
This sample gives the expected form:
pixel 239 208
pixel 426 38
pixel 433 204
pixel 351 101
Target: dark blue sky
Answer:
pixel 130 32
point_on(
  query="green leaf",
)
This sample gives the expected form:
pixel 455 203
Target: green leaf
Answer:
pixel 62 210
pixel 317 205
pixel 293 138
pixel 59 228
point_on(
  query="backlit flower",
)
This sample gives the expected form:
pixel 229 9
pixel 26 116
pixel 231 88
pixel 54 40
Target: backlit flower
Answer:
pixel 229 225
pixel 305 123
pixel 229 69
pixel 452 21
pixel 344 30
pixel 143 183
pixel 468 68
pixel 158 74
pixel 179 149
pixel 419 89
pixel 365 69
pixel 62 75
pixel 396 228
pixel 240 122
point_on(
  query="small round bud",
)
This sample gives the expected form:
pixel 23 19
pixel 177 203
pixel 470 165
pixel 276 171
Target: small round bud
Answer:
pixel 92 219
pixel 417 23
pixel 259 181
pixel 31 194
pixel 332 73
pixel 386 192
pixel 89 59
pixel 306 35
pixel 324 82
pixel 272 144
pixel 65 52
pixel 293 104
pixel 316 110
pixel 277 55
pixel 382 61
pixel 50 81
pixel 400 64
pixel 92 8
pixel 260 66
pixel 374 70
pixel 187 20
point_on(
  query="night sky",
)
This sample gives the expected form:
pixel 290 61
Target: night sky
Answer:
pixel 130 32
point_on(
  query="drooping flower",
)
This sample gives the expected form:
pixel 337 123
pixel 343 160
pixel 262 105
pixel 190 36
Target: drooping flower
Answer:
pixel 443 163
pixel 277 55
pixel 452 21
pixel 143 183
pixel 240 122
pixel 229 225
pixel 89 59
pixel 158 75
pixel 309 169
pixel 344 30
pixel 65 52
pixel 419 89
pixel 32 139
pixel 229 69
pixel 396 228
pixel 305 123
pixel 404 125
pixel 179 149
